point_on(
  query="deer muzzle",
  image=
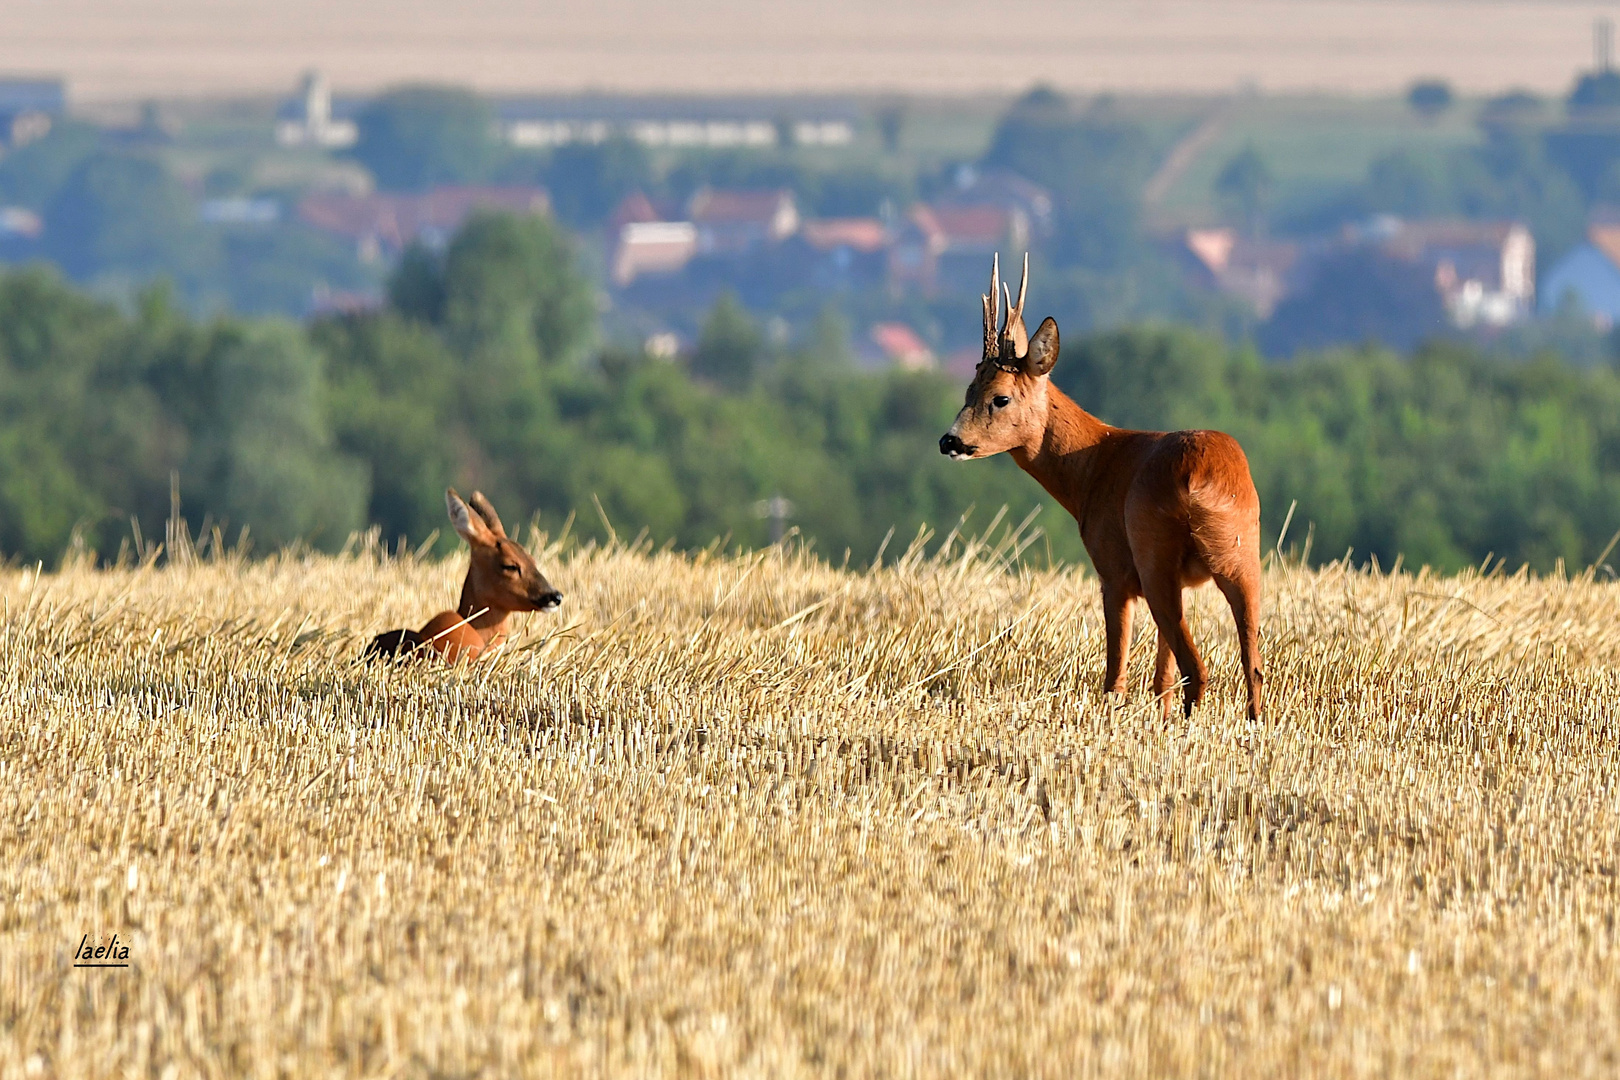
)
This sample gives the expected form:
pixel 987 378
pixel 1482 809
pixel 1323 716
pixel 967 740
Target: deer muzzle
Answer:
pixel 952 446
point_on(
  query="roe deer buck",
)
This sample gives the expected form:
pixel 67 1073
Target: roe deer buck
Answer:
pixel 1158 512
pixel 500 580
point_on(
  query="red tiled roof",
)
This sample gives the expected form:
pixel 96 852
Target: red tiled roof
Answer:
pixel 1212 247
pixel 399 219
pixel 901 345
pixel 710 206
pixel 862 234
pixel 953 225
pixel 634 207
pixel 1453 233
pixel 1606 238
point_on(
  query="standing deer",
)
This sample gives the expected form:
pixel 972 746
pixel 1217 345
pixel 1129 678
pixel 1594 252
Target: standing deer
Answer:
pixel 501 579
pixel 1158 512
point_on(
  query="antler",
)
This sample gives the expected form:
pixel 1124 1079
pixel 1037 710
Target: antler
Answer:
pixel 992 301
pixel 1014 333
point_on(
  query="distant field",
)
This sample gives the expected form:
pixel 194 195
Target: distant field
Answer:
pixel 1315 146
pixel 125 49
pixel 754 815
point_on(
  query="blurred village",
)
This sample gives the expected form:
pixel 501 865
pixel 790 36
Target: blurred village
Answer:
pixel 1494 219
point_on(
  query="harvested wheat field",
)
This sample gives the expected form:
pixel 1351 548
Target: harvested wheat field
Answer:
pixel 758 816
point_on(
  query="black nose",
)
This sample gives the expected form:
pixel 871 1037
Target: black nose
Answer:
pixel 549 600
pixel 950 444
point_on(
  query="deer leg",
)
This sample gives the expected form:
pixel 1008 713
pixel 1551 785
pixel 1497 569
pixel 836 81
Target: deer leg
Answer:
pixel 1117 626
pixel 1164 675
pixel 1243 593
pixel 1165 601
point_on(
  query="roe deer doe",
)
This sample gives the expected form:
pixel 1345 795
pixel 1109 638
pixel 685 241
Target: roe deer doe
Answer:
pixel 501 579
pixel 1158 512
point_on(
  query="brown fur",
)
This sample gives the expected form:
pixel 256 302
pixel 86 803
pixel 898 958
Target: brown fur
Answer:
pixel 1158 512
pixel 501 579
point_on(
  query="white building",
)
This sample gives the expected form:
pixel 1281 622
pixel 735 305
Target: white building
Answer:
pixel 315 124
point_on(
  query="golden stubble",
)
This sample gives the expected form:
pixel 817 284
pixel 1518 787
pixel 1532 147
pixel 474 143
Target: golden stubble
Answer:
pixel 757 815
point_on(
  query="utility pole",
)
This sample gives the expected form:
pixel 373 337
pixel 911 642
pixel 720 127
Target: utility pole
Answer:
pixel 1603 44
pixel 778 509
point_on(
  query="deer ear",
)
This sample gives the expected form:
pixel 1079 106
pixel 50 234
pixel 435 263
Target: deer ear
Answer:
pixel 1043 349
pixel 470 526
pixel 487 512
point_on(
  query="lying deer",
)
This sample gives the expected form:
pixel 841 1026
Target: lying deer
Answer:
pixel 1158 512
pixel 501 579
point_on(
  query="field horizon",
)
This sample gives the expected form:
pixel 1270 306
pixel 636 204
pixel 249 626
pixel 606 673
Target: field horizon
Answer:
pixel 161 48
pixel 750 814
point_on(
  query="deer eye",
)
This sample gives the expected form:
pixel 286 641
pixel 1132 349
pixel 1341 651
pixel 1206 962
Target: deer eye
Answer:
pixel 510 568
pixel 1000 401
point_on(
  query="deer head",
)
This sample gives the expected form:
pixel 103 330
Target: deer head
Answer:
pixel 502 577
pixel 1006 404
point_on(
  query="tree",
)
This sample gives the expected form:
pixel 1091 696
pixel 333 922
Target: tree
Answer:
pixel 266 457
pixel 513 278
pixel 1159 379
pixel 1596 91
pixel 1246 183
pixel 1359 295
pixel 30 175
pixel 415 137
pixel 1429 97
pixel 587 180
pixel 391 394
pixel 278 270
pixel 1407 183
pixel 416 287
pixel 1094 162
pixel 121 213
pixel 84 443
pixel 891 125
pixel 730 346
pixel 827 343
pixel 1515 107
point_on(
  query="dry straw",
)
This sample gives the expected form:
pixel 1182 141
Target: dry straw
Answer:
pixel 756 815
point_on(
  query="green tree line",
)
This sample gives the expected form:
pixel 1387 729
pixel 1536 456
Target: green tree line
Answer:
pixel 485 370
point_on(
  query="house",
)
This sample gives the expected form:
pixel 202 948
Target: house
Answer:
pixel 540 122
pixel 736 221
pixel 1588 278
pixel 309 120
pixel 862 236
pixel 240 210
pixel 20 223
pixel 841 253
pixel 28 108
pixel 1006 189
pixel 380 224
pixel 652 247
pixel 1485 271
pixel 328 301
pixel 634 207
pixel 950 244
pixel 1257 272
pixel 896 344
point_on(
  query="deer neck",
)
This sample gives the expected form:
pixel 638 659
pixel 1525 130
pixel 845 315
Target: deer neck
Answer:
pixel 490 622
pixel 1062 461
